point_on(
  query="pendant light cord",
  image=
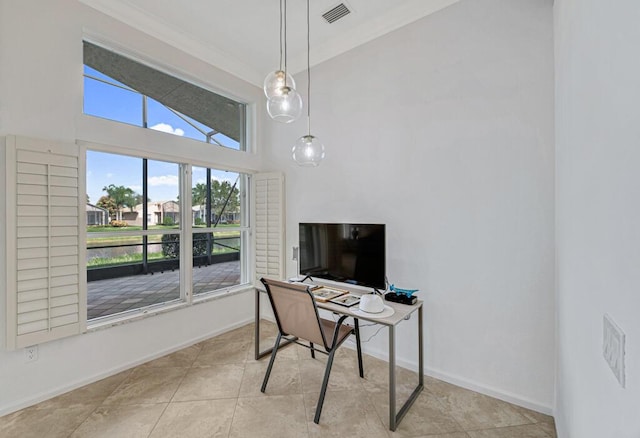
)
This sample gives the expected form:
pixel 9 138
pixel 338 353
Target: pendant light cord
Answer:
pixel 280 34
pixel 285 43
pixel 308 72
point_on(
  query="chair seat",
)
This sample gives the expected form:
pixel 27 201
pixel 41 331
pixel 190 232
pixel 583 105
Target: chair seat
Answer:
pixel 329 326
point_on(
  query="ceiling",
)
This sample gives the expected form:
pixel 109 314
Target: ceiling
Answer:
pixel 241 36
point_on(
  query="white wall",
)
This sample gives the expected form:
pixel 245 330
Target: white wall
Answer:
pixel 443 130
pixel 41 96
pixel 598 226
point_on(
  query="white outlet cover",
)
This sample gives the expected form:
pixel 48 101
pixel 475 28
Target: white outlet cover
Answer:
pixel 613 348
pixel 31 353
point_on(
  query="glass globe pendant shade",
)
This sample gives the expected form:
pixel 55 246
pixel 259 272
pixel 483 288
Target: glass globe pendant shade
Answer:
pixel 286 107
pixel 275 82
pixel 308 151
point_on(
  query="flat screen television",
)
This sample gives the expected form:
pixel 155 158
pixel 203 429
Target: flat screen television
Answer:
pixel 347 253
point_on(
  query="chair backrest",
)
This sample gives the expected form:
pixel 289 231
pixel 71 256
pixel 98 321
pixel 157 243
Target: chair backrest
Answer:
pixel 295 311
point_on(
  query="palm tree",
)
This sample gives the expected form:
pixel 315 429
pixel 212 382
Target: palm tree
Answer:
pixel 224 197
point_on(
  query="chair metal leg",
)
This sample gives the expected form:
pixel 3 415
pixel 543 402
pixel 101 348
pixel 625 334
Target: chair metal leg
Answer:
pixel 273 358
pixel 313 351
pixel 325 382
pixel 358 346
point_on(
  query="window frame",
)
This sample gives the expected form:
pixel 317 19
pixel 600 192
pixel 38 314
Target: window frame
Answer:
pixel 248 115
pixel 187 297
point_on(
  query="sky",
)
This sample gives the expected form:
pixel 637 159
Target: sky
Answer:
pixel 103 169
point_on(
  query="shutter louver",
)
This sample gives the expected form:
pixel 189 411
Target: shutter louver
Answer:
pixel 268 190
pixel 43 241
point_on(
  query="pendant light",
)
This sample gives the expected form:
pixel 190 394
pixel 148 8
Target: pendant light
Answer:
pixel 284 104
pixel 308 151
pixel 275 81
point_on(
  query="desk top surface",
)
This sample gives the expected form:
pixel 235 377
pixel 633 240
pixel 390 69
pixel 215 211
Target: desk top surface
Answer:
pixel 401 311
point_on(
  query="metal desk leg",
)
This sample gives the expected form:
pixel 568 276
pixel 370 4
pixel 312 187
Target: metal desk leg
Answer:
pixel 420 350
pixel 392 378
pixel 394 419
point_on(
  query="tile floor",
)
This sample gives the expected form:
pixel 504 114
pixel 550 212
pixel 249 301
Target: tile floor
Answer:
pixel 212 389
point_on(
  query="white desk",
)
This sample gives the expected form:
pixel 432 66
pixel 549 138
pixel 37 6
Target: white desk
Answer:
pixel 401 313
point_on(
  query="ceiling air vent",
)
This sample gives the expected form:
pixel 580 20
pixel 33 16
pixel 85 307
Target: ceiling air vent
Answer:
pixel 336 13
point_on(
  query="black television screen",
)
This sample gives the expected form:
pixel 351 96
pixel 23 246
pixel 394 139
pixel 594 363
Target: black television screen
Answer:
pixel 348 253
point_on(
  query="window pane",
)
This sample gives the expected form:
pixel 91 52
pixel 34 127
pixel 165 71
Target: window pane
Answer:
pixel 223 193
pixel 217 255
pixel 203 115
pixel 114 187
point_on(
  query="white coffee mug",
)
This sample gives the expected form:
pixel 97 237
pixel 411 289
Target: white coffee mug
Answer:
pixel 371 303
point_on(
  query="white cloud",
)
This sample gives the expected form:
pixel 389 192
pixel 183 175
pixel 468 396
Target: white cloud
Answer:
pixel 109 175
pixel 165 127
pixel 136 188
pixel 164 180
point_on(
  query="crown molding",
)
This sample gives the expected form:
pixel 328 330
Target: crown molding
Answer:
pixel 153 26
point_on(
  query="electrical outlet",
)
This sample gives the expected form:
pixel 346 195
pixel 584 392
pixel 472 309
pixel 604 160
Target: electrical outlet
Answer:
pixel 31 353
pixel 613 347
pixel 294 254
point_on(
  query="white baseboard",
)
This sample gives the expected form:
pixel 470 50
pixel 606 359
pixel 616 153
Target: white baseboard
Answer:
pixel 460 381
pixel 30 401
pixel 487 390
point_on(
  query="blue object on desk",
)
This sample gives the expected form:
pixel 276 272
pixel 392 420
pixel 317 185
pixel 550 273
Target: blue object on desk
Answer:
pixel 407 292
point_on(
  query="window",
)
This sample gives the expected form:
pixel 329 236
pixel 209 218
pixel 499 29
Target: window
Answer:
pixel 135 264
pixel 123 90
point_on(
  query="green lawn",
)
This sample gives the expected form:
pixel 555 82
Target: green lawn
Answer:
pixel 229 231
pixel 121 260
pixel 99 262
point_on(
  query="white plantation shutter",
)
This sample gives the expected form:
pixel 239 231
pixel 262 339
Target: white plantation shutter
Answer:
pixel 268 194
pixel 44 220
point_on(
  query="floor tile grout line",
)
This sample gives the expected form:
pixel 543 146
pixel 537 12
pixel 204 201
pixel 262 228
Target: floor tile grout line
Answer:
pixel 235 407
pixel 444 409
pixel 101 404
pixel 84 421
pixel 159 418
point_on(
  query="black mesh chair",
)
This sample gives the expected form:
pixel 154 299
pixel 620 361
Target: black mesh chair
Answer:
pixel 297 317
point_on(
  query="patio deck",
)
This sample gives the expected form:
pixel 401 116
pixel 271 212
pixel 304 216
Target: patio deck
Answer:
pixel 115 295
